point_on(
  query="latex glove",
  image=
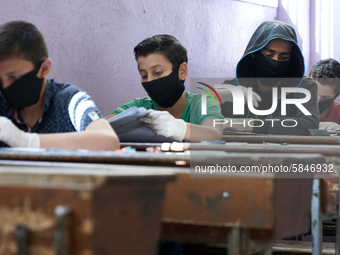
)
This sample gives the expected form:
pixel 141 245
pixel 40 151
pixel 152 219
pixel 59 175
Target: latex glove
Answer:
pixel 329 126
pixel 163 123
pixel 14 137
pixel 238 125
pixel 225 94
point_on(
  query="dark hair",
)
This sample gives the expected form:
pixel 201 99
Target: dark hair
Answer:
pixel 19 39
pixel 327 72
pixel 167 45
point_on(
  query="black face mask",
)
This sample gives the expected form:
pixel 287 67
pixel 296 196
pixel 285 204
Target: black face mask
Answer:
pixel 269 71
pixel 323 105
pixel 165 91
pixel 25 91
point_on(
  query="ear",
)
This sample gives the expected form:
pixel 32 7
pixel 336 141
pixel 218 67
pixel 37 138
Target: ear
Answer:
pixel 45 68
pixel 183 71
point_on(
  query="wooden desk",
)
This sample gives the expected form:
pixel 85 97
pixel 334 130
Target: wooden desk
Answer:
pixel 199 209
pixel 329 182
pixel 326 190
pixel 251 211
pixel 105 209
pixel 282 139
pixel 102 157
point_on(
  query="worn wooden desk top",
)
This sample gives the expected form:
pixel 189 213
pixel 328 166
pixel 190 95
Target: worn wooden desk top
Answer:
pixel 269 148
pixel 282 139
pixel 110 206
pixel 46 173
pixel 88 156
pixel 202 154
pixel 195 209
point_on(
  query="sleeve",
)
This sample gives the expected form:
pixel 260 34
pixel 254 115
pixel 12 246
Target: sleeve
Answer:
pixel 227 107
pixel 334 114
pixel 295 123
pixel 213 111
pixel 197 116
pixel 132 103
pixel 82 111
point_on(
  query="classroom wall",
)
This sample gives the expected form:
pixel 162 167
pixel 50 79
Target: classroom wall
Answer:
pixel 336 30
pixel 297 14
pixel 336 34
pixel 91 42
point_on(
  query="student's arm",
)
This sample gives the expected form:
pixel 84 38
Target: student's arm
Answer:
pixel 278 125
pixel 303 122
pixel 204 132
pixel 98 135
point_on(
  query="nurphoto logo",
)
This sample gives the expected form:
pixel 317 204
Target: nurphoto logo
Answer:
pixel 239 100
pixel 204 97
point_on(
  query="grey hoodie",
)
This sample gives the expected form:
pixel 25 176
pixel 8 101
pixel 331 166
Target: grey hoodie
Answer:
pixel 294 77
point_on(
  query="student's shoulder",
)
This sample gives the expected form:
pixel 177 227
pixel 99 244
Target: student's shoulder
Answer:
pixel 145 102
pixel 232 81
pixel 195 98
pixel 65 93
pixel 63 89
pixel 308 83
pixel 336 106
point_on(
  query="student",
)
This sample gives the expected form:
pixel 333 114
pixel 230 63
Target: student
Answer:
pixel 173 112
pixel 272 56
pixel 33 107
pixel 326 74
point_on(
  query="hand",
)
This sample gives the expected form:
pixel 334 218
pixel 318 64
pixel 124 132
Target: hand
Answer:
pixel 14 137
pixel 238 125
pixel 226 96
pixel 329 126
pixel 163 123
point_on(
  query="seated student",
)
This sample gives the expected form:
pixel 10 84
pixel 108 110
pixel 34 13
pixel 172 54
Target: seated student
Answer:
pixel 162 64
pixel 33 107
pixel 326 74
pixel 272 56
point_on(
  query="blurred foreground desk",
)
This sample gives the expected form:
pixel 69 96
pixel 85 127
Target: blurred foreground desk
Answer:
pixel 251 210
pixel 64 208
pixel 325 201
pixel 246 210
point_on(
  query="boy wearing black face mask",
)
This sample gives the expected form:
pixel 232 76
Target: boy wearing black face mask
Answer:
pixel 34 108
pixel 173 112
pixel 326 74
pixel 272 59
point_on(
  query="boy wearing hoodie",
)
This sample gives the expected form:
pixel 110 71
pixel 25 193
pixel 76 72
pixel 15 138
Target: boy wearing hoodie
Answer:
pixel 272 63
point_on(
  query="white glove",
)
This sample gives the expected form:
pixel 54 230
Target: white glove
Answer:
pixel 163 123
pixel 238 125
pixel 14 137
pixel 329 126
pixel 226 96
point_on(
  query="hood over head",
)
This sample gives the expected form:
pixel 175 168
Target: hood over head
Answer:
pixel 267 31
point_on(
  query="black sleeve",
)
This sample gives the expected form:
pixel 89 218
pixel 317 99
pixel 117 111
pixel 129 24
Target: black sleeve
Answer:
pixel 303 122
